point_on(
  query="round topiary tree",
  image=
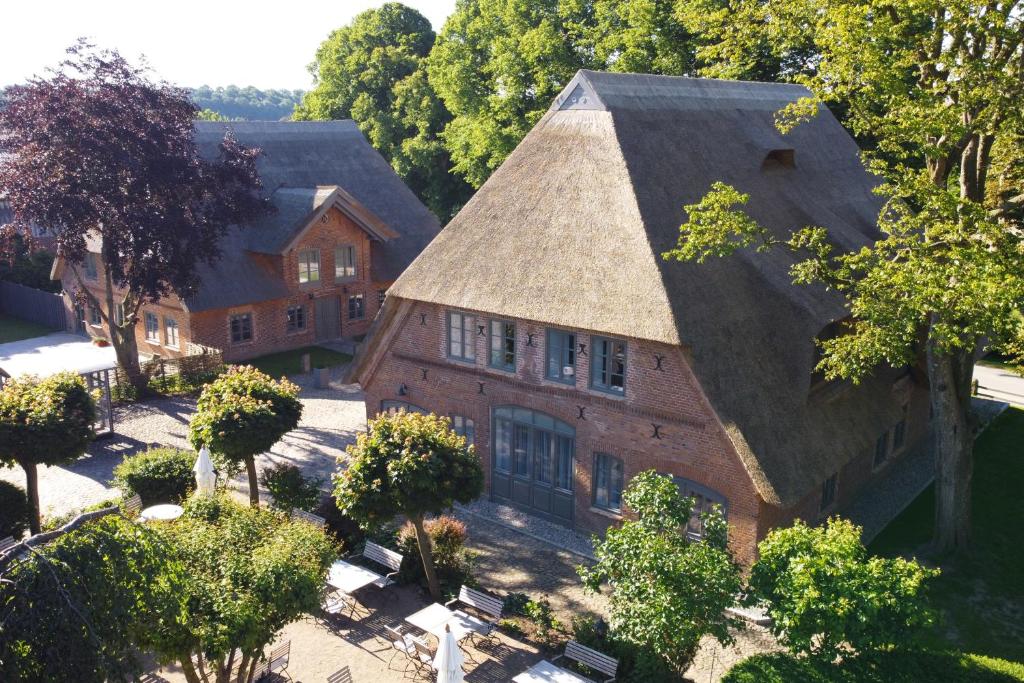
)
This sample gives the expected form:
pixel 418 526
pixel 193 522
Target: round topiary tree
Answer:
pixel 15 513
pixel 409 464
pixel 241 414
pixel 44 422
pixel 158 475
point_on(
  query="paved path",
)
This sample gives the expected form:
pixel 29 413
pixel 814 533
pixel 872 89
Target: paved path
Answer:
pixel 1000 384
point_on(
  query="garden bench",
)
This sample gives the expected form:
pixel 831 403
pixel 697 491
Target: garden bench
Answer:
pixel 590 658
pixel 132 506
pixel 6 543
pixel 315 520
pixel 483 603
pixel 385 558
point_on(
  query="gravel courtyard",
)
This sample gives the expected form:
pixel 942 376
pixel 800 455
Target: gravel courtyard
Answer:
pixel 515 552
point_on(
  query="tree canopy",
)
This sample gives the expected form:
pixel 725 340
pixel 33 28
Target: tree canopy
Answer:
pixel 246 103
pixel 102 155
pixel 408 464
pixel 44 422
pixel 668 590
pixel 241 414
pixel 937 86
pixel 372 71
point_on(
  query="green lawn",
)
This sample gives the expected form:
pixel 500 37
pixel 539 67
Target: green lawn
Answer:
pixel 290 362
pixel 981 595
pixel 902 667
pixel 16 329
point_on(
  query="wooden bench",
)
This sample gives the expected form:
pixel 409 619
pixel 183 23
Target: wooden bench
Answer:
pixel 385 558
pixel 7 543
pixel 483 603
pixel 315 520
pixel 590 658
pixel 132 506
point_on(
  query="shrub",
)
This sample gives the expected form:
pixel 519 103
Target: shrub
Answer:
pixel 453 562
pixel 511 627
pixel 636 664
pixel 826 596
pixel 515 604
pixel 341 527
pixel 15 512
pixel 289 488
pixel 158 475
pixel 540 613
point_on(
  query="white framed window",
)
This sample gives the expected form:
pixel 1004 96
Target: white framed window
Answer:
pixel 296 318
pixel 309 265
pixel 356 307
pixel 345 262
pixel 152 328
pixel 608 369
pixel 461 344
pixel 171 332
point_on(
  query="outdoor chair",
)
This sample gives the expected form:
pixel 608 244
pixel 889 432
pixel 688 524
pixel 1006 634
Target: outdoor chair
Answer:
pixel 385 558
pixel 132 506
pixel 6 543
pixel 483 603
pixel 276 663
pixel 409 645
pixel 315 520
pixel 336 602
pixel 590 658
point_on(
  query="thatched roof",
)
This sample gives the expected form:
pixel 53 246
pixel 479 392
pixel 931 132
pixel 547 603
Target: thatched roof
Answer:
pixel 308 167
pixel 570 229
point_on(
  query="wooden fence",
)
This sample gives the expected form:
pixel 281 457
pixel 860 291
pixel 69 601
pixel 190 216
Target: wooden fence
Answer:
pixel 172 375
pixel 35 305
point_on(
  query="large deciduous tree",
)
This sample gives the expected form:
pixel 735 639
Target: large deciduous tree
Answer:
pixel 667 589
pixel 937 86
pixel 373 71
pixel 241 414
pixel 413 465
pixel 104 158
pixel 44 422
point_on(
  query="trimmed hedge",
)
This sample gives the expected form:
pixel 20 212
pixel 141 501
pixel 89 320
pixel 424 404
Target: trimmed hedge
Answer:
pixel 14 511
pixel 290 488
pixel 159 475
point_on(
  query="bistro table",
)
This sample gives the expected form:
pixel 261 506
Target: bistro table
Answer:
pixel 161 513
pixel 546 672
pixel 349 578
pixel 433 619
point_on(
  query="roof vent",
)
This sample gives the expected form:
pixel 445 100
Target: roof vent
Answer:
pixel 780 158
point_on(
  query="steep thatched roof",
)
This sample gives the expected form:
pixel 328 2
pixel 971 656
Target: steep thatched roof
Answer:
pixel 307 167
pixel 570 229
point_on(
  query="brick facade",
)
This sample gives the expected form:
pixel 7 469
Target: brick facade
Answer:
pixel 270 331
pixel 663 421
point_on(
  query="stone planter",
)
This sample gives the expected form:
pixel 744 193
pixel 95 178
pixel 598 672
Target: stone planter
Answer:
pixel 322 377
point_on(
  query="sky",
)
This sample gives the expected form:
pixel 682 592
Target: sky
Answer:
pixel 187 42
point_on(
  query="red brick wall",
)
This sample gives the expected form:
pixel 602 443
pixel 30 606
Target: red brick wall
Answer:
pixel 692 443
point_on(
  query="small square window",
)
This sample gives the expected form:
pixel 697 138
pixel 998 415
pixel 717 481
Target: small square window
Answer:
pixel 241 328
pixel 356 309
pixel 503 345
pixel 345 262
pixel 461 339
pixel 152 328
pixel 828 493
pixel 309 266
pixel 561 356
pixel 609 365
pixel 296 318
pixel 465 427
pixel 171 332
pixel 607 482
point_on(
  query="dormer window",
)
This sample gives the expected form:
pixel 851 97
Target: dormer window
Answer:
pixel 780 158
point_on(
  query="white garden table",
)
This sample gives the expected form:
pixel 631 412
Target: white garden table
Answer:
pixel 433 619
pixel 161 513
pixel 546 672
pixel 349 578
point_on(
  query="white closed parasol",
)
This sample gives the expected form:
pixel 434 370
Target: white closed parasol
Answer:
pixel 448 660
pixel 206 478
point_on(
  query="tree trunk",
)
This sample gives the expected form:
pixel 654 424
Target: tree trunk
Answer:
pixel 953 442
pixel 254 483
pixel 243 670
pixel 127 352
pixel 32 492
pixel 427 554
pixel 252 669
pixel 186 668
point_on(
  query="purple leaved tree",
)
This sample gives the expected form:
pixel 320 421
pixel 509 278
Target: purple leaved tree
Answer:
pixel 105 158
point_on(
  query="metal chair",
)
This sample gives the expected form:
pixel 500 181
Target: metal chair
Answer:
pixel 409 645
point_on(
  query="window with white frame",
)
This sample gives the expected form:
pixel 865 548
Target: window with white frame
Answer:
pixel 171 332
pixel 503 345
pixel 461 344
pixel 309 265
pixel 95 317
pixel 152 328
pixel 296 318
pixel 241 328
pixel 356 307
pixel 608 372
pixel 345 262
pixel 607 482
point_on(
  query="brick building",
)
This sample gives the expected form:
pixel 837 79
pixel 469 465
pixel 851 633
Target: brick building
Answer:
pixel 316 269
pixel 545 322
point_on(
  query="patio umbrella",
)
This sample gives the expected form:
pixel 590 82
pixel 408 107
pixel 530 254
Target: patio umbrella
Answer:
pixel 448 660
pixel 206 478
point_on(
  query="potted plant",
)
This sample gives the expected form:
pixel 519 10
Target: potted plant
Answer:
pixel 100 341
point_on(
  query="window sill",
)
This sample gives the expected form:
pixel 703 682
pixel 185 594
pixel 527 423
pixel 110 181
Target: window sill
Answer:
pixel 610 394
pixel 605 513
pixel 462 361
pixel 172 347
pixel 247 342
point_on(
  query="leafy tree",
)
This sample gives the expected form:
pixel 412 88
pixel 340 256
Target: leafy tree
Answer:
pixel 15 513
pixel 241 414
pixel 22 264
pixel 408 464
pixel 44 422
pixel 248 573
pixel 826 596
pixel 211 115
pixel 232 103
pixel 81 607
pixel 372 71
pixel 101 155
pixel 667 590
pixel 938 86
pixel 289 488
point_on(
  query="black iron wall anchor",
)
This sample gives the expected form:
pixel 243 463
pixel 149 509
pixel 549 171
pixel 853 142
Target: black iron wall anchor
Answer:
pixel 583 350
pixel 424 372
pixel 580 416
pixel 480 331
pixel 423 318
pixel 529 339
pixel 657 362
pixel 657 431
pixel 481 387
